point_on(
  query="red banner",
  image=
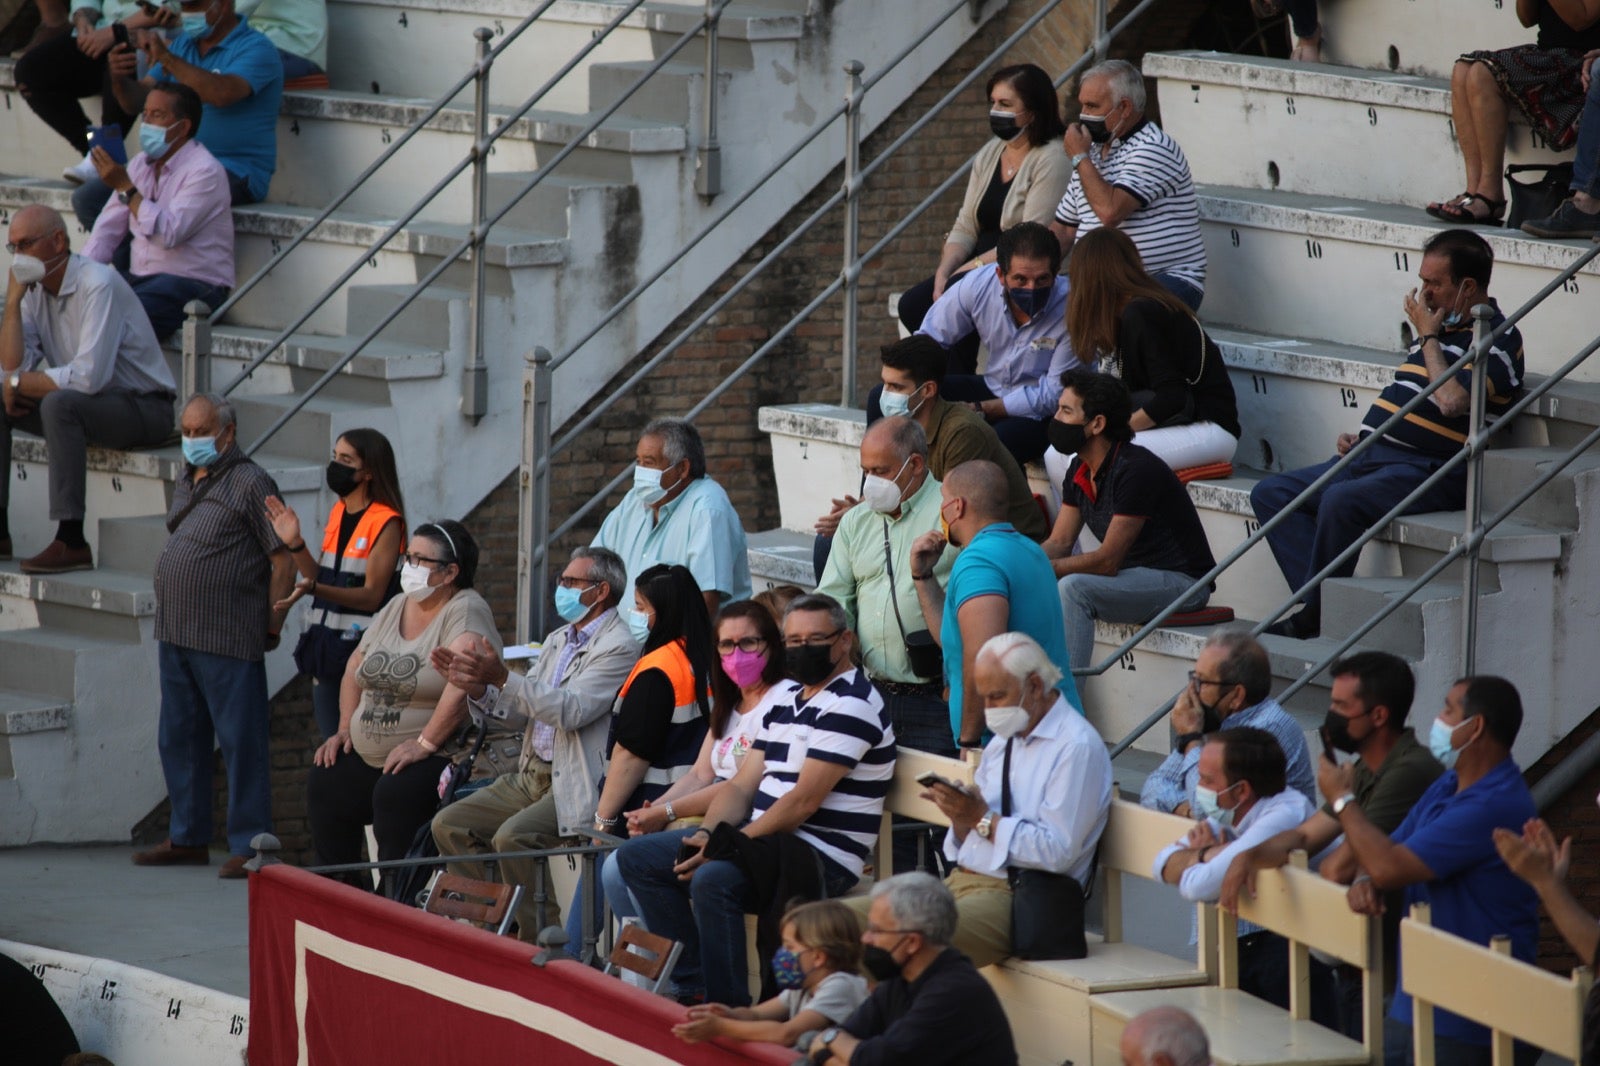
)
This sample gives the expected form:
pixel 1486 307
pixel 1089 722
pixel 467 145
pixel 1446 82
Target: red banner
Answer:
pixel 341 976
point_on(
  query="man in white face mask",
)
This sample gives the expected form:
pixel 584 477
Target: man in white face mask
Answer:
pixel 79 365
pixel 1040 797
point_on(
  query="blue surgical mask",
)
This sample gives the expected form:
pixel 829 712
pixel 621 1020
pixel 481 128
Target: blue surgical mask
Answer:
pixel 639 625
pixel 153 140
pixel 569 603
pixel 647 484
pixel 786 969
pixel 195 25
pixel 1439 738
pixel 1029 301
pixel 893 404
pixel 1206 800
pixel 200 451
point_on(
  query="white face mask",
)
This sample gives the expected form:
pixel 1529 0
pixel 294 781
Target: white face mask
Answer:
pixel 1005 721
pixel 414 581
pixel 882 494
pixel 27 269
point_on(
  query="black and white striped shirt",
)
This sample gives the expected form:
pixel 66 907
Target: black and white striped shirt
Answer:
pixel 1150 167
pixel 845 724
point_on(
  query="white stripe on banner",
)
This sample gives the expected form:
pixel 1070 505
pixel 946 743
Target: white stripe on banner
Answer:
pixel 309 939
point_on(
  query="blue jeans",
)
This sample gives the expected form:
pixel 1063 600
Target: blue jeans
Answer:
pixel 1332 520
pixel 712 929
pixel 1586 163
pixel 1135 594
pixel 164 296
pixel 1184 289
pixel 207 697
pixel 296 66
pixel 575 912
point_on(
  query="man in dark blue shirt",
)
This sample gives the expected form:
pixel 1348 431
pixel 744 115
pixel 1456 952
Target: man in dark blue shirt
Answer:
pixel 1444 853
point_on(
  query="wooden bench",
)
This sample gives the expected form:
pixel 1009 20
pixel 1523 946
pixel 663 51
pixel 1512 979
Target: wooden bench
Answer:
pixel 1515 1000
pixel 1312 914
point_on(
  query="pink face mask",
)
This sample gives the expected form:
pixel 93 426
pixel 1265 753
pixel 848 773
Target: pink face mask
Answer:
pixel 744 667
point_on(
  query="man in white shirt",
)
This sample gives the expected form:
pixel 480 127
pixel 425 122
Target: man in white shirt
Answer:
pixel 1048 817
pixel 1243 800
pixel 79 365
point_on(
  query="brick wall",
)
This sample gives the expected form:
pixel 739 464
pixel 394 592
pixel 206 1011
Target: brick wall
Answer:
pixel 1575 814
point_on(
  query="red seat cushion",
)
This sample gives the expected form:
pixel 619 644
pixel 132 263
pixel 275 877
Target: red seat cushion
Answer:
pixel 309 81
pixel 1208 472
pixel 1205 616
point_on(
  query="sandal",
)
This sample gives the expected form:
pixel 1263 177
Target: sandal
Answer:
pixel 1459 210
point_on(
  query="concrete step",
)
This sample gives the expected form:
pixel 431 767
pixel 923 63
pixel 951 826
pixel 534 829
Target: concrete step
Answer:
pixel 305 357
pixel 1278 115
pixel 43 660
pixel 1348 604
pixel 1322 266
pixel 306 442
pixel 24 714
pixel 132 543
pixel 781 557
pixel 1418 36
pixel 1507 473
pixel 405 49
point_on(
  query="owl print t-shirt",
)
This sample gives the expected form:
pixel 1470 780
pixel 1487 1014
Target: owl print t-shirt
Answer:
pixel 399 686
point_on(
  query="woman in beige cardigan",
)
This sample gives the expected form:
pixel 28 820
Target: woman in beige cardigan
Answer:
pixel 1019 176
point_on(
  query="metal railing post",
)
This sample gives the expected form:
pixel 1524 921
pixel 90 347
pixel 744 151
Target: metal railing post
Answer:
pixel 708 160
pixel 533 498
pixel 475 374
pixel 1101 45
pixel 196 348
pixel 852 227
pixel 1482 315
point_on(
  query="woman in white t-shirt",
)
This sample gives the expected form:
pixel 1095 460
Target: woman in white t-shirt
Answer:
pixel 749 663
pixel 818 969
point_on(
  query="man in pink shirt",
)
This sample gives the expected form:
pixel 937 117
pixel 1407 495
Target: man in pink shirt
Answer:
pixel 174 202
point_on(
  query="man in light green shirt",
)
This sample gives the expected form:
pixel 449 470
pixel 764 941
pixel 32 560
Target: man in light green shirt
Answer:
pixel 900 503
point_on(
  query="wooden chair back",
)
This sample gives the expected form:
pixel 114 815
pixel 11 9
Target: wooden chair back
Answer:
pixel 485 903
pixel 644 953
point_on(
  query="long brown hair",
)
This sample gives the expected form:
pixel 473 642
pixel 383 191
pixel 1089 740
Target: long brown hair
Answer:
pixel 1105 273
pixel 377 458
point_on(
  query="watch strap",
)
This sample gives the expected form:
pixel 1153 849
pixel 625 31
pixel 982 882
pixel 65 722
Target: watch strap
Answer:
pixel 1342 802
pixel 1185 739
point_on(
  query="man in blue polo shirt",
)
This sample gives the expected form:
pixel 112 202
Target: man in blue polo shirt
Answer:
pixel 1000 583
pixel 1444 853
pixel 239 76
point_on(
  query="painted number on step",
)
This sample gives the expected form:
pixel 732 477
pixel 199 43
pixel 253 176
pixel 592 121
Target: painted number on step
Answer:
pixel 386 136
pixel 108 990
pixel 1126 662
pixel 1372 116
pixel 5 217
pixel 1347 397
pixel 277 245
pixel 373 262
pixel 1288 102
pixel 1196 90
pixel 1570 285
pixel 1258 384
pixel 1402 261
pixel 37 969
pixel 174 1007
pixel 116 484
pixel 404 22
pixel 1313 249
pixel 499 28
pixel 236 1027
pixel 1233 236
pixel 22 472
pixel 294 126
pixel 1250 527
pixel 8 100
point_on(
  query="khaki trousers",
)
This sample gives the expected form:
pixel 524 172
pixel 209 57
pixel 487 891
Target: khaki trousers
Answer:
pixel 983 915
pixel 516 812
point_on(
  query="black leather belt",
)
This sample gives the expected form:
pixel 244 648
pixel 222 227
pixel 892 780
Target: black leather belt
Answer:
pixel 902 688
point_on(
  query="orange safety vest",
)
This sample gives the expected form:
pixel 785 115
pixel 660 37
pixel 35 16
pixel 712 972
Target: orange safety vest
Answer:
pixel 333 569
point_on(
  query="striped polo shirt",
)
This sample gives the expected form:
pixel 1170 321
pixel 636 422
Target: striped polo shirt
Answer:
pixel 1429 430
pixel 846 724
pixel 1150 167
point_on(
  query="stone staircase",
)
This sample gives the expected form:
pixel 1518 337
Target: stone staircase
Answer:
pixel 78 690
pixel 1312 181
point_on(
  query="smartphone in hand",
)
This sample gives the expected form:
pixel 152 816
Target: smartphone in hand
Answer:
pixel 110 139
pixel 1327 745
pixel 927 779
pixel 686 851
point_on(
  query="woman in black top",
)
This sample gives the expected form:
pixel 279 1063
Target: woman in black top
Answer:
pixel 1184 407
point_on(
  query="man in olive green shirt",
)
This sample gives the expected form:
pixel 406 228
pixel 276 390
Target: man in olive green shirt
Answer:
pixel 1371 695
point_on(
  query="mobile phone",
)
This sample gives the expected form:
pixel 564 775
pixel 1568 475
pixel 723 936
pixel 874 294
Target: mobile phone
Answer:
pixel 927 779
pixel 686 851
pixel 110 139
pixel 1327 745
pixel 119 33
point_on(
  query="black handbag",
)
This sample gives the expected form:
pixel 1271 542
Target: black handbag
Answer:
pixel 1538 198
pixel 927 659
pixel 1047 909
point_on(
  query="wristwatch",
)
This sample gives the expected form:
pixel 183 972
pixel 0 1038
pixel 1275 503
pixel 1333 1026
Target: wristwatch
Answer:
pixel 14 379
pixel 1342 802
pixel 1075 160
pixel 1184 740
pixel 985 825
pixel 828 1036
pixel 126 196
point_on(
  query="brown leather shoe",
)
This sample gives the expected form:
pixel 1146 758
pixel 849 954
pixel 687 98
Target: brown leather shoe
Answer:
pixel 167 853
pixel 59 559
pixel 233 869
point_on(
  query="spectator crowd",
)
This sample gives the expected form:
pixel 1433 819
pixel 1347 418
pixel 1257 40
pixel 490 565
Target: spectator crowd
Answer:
pixel 743 750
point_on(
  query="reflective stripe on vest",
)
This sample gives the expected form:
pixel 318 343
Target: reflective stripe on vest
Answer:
pixel 673 661
pixel 337 571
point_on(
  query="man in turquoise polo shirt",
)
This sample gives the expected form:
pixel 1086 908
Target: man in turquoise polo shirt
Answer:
pixel 1001 582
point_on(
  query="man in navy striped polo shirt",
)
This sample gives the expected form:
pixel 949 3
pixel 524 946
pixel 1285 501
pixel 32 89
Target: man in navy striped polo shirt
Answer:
pixel 818 772
pixel 1456 264
pixel 1127 173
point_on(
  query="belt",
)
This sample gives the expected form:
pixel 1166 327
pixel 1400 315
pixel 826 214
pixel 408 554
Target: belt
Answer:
pixel 905 688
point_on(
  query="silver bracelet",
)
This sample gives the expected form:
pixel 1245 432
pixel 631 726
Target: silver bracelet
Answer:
pixel 672 816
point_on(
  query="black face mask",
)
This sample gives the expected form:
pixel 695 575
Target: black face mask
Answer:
pixel 1097 129
pixel 1068 438
pixel 1003 124
pixel 880 964
pixel 1338 727
pixel 809 664
pixel 342 479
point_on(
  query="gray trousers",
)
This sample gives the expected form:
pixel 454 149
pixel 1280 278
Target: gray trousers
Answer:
pixel 70 421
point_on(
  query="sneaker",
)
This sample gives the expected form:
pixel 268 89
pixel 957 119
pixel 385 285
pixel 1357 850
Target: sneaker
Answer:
pixel 1567 222
pixel 79 173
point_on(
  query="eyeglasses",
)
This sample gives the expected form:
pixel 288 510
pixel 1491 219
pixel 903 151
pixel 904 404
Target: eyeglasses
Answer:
pixel 582 584
pixel 744 644
pixel 23 245
pixel 872 930
pixel 1197 680
pixel 814 642
pixel 413 559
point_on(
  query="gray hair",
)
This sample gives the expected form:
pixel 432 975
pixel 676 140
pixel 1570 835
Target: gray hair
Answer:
pixel 903 434
pixel 606 565
pixel 1021 656
pixel 1123 79
pixel 1246 663
pixel 813 601
pixel 920 903
pixel 219 403
pixel 679 441
pixel 1173 1032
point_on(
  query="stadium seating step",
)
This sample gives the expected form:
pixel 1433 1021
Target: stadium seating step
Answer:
pixel 1419 36
pixel 22 713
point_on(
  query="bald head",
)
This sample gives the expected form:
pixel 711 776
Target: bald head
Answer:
pixel 1165 1036
pixel 983 485
pixel 39 219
